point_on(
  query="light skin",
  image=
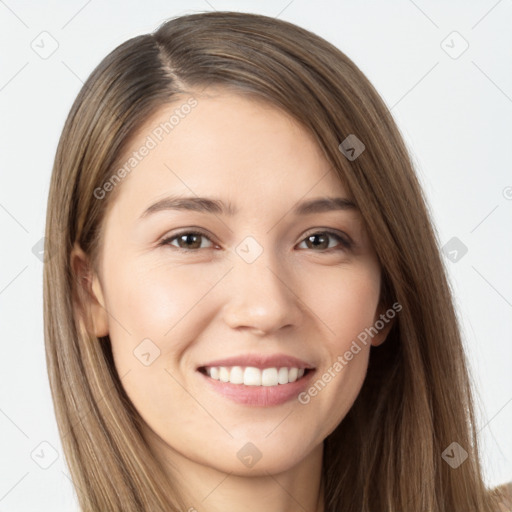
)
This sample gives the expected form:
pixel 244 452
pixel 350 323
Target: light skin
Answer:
pixel 306 297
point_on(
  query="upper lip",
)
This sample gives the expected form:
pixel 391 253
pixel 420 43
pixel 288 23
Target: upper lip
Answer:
pixel 261 361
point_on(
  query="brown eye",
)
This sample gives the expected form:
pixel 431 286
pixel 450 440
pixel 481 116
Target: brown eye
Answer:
pixel 186 241
pixel 189 241
pixel 321 241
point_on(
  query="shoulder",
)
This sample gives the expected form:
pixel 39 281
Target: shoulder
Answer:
pixel 505 493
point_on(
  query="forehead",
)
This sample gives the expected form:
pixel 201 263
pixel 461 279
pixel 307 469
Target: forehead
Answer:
pixel 228 145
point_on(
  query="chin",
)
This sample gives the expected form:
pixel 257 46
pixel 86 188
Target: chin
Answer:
pixel 259 456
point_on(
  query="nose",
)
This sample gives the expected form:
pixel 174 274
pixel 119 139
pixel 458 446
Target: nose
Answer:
pixel 261 296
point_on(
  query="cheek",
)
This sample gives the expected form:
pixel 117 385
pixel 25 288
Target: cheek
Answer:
pixel 164 305
pixel 347 305
pixel 154 313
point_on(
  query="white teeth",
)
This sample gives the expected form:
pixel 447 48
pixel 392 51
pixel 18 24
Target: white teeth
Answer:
pixel 236 376
pixel 282 376
pixel 269 377
pixel 251 376
pixel 223 374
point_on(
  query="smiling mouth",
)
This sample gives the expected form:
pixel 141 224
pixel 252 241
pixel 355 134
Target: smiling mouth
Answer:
pixel 251 376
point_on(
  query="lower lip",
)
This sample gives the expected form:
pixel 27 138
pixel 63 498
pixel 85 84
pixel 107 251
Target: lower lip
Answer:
pixel 262 396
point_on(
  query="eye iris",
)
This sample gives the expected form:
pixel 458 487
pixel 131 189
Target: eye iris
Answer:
pixel 325 240
pixel 187 237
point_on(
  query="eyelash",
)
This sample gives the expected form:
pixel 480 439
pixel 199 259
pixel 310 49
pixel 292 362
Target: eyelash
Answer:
pixel 346 244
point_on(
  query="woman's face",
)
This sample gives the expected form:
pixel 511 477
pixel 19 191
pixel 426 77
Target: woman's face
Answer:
pixel 266 290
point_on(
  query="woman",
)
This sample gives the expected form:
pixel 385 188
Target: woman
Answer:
pixel 246 307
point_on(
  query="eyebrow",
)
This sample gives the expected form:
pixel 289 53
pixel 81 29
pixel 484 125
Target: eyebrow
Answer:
pixel 216 206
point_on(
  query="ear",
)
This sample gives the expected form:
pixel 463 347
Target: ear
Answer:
pixel 90 292
pixel 383 323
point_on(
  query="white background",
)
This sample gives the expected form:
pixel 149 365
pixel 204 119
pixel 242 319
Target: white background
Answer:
pixel 456 117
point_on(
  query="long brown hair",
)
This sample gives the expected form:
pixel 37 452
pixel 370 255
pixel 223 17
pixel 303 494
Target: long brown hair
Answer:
pixel 417 399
